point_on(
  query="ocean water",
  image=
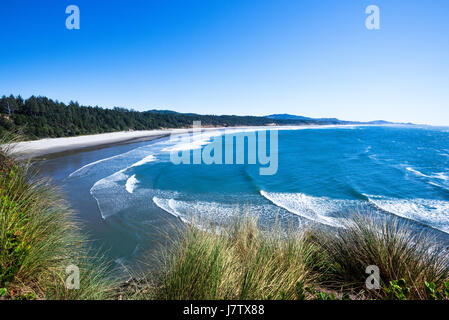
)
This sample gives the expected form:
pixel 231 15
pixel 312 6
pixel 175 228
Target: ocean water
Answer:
pixel 127 195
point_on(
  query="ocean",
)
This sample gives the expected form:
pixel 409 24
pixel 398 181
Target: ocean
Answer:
pixel 129 196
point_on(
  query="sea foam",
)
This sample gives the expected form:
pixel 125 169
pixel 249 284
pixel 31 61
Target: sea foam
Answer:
pixel 131 183
pixel 432 213
pixel 312 208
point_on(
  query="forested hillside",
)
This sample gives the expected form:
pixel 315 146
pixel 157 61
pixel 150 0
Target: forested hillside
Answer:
pixel 42 117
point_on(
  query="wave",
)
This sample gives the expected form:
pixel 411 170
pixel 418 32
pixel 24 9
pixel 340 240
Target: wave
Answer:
pixel 192 141
pixel 203 209
pixel 416 172
pixel 125 158
pixel 212 211
pixel 168 206
pixel 131 184
pixel 440 187
pixel 442 176
pixel 185 142
pixel 438 180
pixel 444 155
pixel 107 191
pixel 438 175
pixel 145 160
pixel 316 209
pixel 78 171
pixel 110 186
pixel 196 141
pixel 108 195
pixel 433 213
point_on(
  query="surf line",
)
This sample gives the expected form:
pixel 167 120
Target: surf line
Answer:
pixel 212 153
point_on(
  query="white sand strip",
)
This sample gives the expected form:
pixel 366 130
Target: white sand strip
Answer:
pixel 37 148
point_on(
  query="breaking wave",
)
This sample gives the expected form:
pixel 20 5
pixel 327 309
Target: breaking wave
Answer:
pixel 433 213
pixel 145 160
pixel 80 170
pixel 131 183
pixel 438 175
pixel 317 209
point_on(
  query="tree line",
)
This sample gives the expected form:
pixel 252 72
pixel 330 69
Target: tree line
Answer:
pixel 41 117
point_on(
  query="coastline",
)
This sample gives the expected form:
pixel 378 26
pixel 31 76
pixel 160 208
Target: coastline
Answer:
pixel 28 150
pixel 35 149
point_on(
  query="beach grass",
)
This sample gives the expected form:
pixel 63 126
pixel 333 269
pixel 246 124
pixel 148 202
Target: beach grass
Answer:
pixel 242 262
pixel 406 259
pixel 39 239
pixel 238 262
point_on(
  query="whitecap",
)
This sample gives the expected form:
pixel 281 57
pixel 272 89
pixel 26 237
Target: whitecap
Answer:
pixel 108 195
pixel 192 141
pixel 131 183
pixel 441 176
pixel 416 172
pixel 145 160
pixel 107 191
pixel 211 212
pixel 78 171
pixel 198 140
pixel 433 213
pixel 311 208
pixel 438 175
pixel 167 206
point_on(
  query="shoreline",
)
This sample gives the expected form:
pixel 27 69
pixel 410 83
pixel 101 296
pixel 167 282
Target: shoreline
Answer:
pixel 35 149
pixel 29 150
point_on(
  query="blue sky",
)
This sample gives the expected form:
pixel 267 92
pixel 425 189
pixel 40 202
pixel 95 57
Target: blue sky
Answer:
pixel 314 58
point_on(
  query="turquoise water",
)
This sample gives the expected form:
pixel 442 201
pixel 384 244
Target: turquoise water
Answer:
pixel 325 175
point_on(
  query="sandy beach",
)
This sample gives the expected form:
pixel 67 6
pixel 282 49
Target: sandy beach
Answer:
pixel 48 146
pixel 53 146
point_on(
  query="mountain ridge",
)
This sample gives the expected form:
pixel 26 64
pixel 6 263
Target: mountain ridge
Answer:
pixel 291 117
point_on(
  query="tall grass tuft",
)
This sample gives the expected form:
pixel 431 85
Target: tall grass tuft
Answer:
pixel 39 239
pixel 242 262
pixel 400 253
pixel 239 262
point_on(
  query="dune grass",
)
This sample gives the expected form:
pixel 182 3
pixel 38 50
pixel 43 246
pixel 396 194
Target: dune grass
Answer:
pixel 39 238
pixel 402 255
pixel 241 262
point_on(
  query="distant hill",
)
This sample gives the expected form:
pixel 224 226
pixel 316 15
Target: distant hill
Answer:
pixel 286 116
pixel 290 117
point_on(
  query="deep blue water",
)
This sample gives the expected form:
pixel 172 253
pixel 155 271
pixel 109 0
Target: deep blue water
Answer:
pixel 126 195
